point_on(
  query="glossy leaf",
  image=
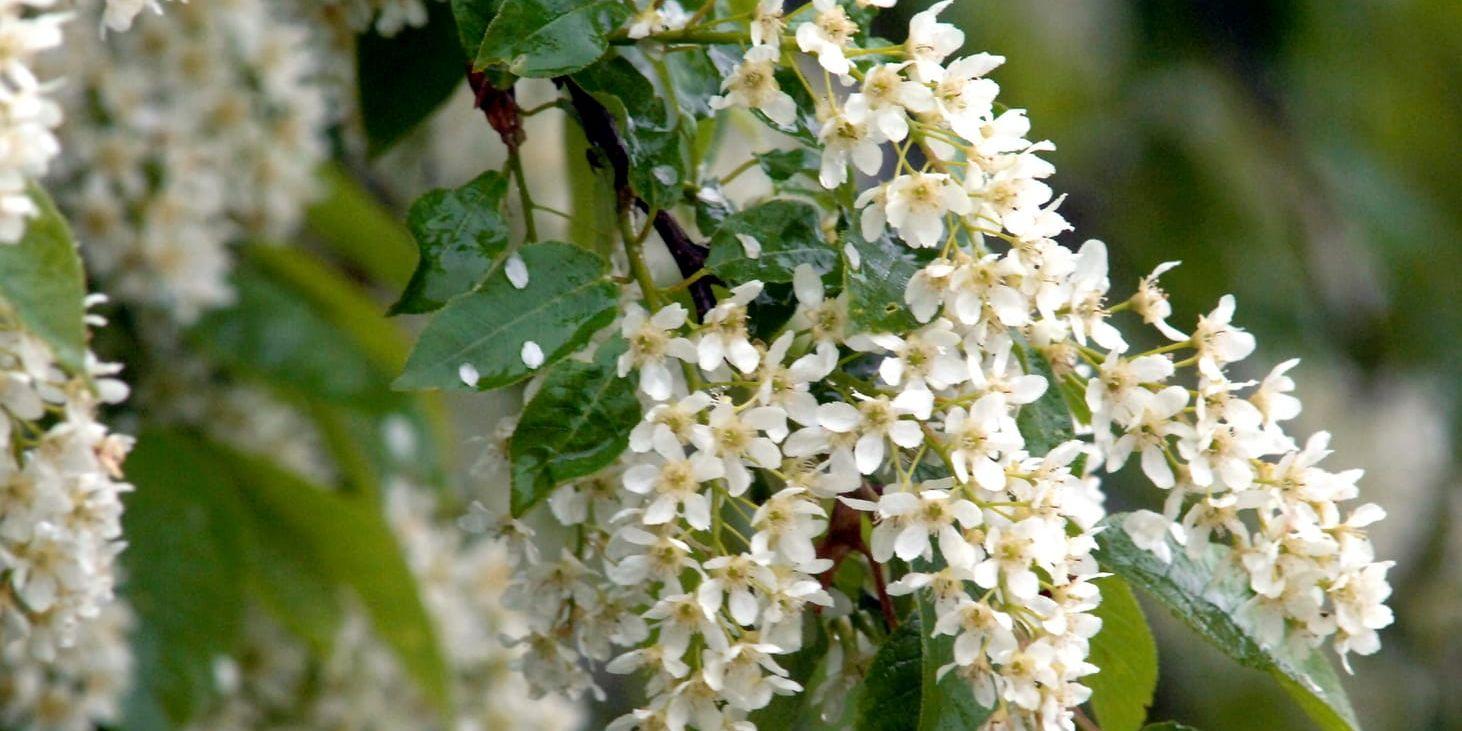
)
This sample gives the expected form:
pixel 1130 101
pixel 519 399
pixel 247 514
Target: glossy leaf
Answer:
pixel 653 138
pixel 567 299
pixel 787 232
pixel 473 17
pixel 404 78
pixel 576 424
pixel 42 280
pixel 876 286
pixel 186 572
pixel 1045 422
pixel 1208 594
pixel 461 235
pixel 1126 654
pixel 542 38
pixel 901 692
pixel 780 165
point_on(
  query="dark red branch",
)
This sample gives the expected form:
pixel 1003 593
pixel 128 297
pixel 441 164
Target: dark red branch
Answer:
pixel 600 130
pixel 500 106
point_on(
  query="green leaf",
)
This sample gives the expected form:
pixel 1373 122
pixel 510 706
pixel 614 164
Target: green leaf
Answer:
pixel 542 38
pixel 1208 594
pixel 185 568
pixel 656 144
pixel 1127 655
pixel 295 590
pixel 576 424
pixel 876 287
pixel 780 165
pixel 42 280
pixel 1045 422
pixel 404 78
pixel 1168 726
pixel 788 232
pixel 348 539
pixel 357 227
pixel 901 692
pixel 568 298
pixel 461 234
pixel 473 17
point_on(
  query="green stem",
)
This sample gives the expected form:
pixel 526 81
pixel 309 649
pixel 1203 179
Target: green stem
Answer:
pixel 515 164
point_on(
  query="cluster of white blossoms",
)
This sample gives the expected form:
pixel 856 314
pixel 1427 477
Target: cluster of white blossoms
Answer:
pixel 63 656
pixel 28 115
pixel 199 128
pixel 696 558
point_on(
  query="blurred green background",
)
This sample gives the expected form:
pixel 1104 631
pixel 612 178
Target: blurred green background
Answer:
pixel 1303 156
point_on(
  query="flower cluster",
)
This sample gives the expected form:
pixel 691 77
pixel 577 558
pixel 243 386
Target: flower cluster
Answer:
pixel 28 116
pixel 62 652
pixel 199 128
pixel 763 449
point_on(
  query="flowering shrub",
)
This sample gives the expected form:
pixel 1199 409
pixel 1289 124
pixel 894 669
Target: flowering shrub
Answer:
pixel 813 428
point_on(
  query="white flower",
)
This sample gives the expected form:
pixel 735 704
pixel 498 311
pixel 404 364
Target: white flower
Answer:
pixel 675 484
pixel 1218 342
pixel 767 24
pixel 651 342
pixel 657 18
pixel 735 576
pixel 1151 302
pixel 754 85
pixel 908 519
pixel 846 138
pixel 1013 549
pixel 964 97
pixel 1116 391
pixel 978 629
pixel 734 437
pixel 1147 432
pixel 978 438
pixel 669 425
pixel 1150 532
pixel 929 358
pixel 750 245
pixel 787 523
pixel 887 99
pixel 826 319
pixel 723 335
pixel 874 420
pixel 1273 399
pixel 931 41
pixel 827 35
pixel 918 203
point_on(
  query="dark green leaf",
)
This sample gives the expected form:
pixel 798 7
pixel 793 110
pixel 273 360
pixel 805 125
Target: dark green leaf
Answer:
pixel 1121 691
pixel 292 587
pixel 185 568
pixel 461 234
pixel 876 287
pixel 542 38
pixel 473 17
pixel 1208 594
pixel 42 280
pixel 576 424
pixel 1168 726
pixel 568 298
pixel 404 78
pixel 349 541
pixel 696 80
pixel 779 165
pixel 653 138
pixel 901 692
pixel 788 232
pixel 1045 422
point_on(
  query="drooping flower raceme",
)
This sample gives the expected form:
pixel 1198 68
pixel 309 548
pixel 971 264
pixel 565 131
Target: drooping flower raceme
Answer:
pixel 765 449
pixel 64 656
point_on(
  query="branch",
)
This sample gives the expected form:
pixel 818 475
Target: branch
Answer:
pixel 600 131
